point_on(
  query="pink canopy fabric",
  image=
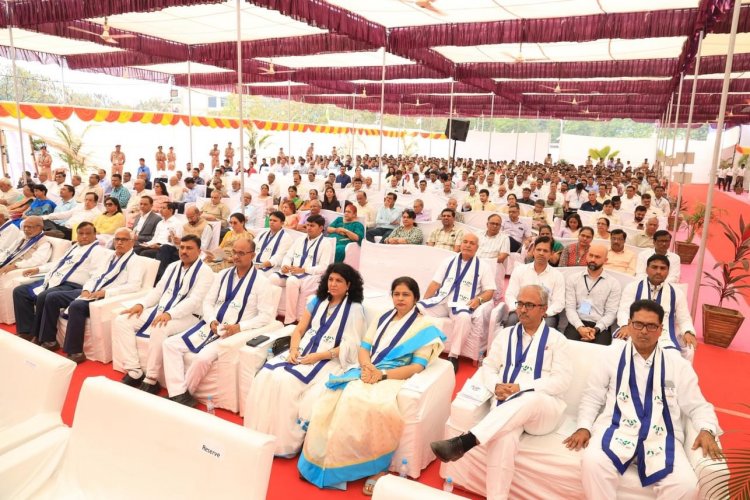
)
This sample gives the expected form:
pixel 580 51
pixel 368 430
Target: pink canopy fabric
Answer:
pixel 619 87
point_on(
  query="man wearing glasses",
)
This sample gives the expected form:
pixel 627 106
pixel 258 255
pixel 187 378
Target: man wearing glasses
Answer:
pixel 526 395
pixel 496 246
pixel 631 412
pixel 678 330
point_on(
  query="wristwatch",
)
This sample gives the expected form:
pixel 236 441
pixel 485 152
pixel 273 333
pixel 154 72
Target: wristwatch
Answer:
pixel 384 374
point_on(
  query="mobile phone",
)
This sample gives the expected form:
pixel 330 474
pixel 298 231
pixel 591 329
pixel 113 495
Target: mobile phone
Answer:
pixel 256 341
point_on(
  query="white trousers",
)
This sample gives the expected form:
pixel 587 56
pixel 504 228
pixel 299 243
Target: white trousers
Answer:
pixel 178 379
pixel 601 479
pixel 125 343
pixel 463 325
pixel 298 290
pixel 500 431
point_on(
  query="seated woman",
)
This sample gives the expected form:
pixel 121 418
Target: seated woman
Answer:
pixel 407 233
pixel 602 229
pixel 281 396
pixel 264 201
pixel 290 212
pixel 40 205
pixel 572 227
pixel 356 425
pixel 18 208
pixel 294 197
pixel 161 196
pixel 346 230
pixel 313 197
pixel 111 220
pixel 512 202
pixel 330 202
pixel 538 216
pixel 577 254
pixel 218 260
pixel 557 247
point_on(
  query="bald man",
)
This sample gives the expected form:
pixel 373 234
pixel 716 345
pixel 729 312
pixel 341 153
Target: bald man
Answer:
pixel 592 298
pixel 457 290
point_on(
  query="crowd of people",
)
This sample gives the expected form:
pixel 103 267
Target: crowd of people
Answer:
pixel 533 213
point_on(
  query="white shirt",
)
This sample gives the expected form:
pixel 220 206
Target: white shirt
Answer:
pixel 129 280
pixel 260 308
pixel 192 302
pixel 661 205
pixel 557 371
pixel 575 199
pixel 674 265
pixel 42 254
pixel 266 254
pixel 686 398
pixel 82 273
pixel 135 200
pixel 551 279
pixel 486 278
pixel 629 204
pixel 683 320
pixel 325 257
pixel 491 246
pixel 161 233
pixel 368 213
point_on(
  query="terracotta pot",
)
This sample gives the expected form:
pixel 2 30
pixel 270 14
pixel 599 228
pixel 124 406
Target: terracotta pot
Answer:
pixel 686 251
pixel 720 325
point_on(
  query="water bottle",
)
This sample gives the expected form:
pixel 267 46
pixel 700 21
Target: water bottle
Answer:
pixel 480 358
pixel 210 408
pixel 269 354
pixel 403 470
pixel 448 485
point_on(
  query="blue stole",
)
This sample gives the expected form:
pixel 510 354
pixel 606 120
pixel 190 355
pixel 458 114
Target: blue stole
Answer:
pixel 266 241
pixel 21 247
pixel 671 319
pixel 100 283
pixel 305 253
pixel 519 358
pixel 456 287
pixel 230 294
pixel 68 256
pixel 175 299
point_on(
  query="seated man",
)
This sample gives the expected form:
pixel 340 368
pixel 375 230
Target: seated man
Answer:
pixel 30 251
pixel 590 313
pixel 216 210
pixel 315 208
pixel 639 219
pixel 517 230
pixel 541 273
pixel 617 405
pixel 422 215
pixel 484 203
pixel 645 239
pixel 301 269
pixel 447 237
pixel 619 258
pixel 145 221
pixel 68 221
pixel 495 245
pixel 592 204
pixel 34 321
pixel 168 228
pixel 386 220
pixel 227 310
pixel 272 244
pixel 662 239
pixel 67 204
pixel 678 330
pixel 524 400
pixel 167 309
pixel 458 287
pixel 119 275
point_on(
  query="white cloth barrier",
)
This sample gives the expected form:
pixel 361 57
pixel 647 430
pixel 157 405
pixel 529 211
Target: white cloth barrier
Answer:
pixel 33 386
pixel 15 278
pixel 545 468
pixel 392 487
pixel 97 339
pixel 184 447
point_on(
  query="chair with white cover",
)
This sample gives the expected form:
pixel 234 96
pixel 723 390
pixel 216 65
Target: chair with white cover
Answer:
pixel 545 468
pixel 33 386
pixel 97 338
pixel 15 278
pixel 390 487
pixel 222 380
pixel 184 447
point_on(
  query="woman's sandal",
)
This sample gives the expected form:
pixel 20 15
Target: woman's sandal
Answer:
pixel 370 484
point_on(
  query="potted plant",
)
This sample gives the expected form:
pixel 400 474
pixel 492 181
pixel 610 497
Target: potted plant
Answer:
pixel 721 324
pixel 694 222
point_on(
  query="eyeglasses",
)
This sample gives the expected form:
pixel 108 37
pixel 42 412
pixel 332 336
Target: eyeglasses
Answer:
pixel 121 240
pixel 242 254
pixel 640 325
pixel 528 305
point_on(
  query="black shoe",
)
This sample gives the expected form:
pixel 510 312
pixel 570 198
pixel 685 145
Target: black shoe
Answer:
pixel 26 336
pixel 150 388
pixel 132 382
pixel 448 450
pixel 185 399
pixel 51 346
pixel 77 357
pixel 454 362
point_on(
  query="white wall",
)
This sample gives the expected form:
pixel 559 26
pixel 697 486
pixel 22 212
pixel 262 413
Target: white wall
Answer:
pixel 575 148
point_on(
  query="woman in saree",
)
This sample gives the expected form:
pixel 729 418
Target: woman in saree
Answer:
pixel 40 205
pixel 280 399
pixel 222 260
pixel 356 425
pixel 346 230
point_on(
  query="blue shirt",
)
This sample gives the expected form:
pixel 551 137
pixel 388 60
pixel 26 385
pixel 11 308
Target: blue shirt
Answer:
pixel 121 194
pixel 144 169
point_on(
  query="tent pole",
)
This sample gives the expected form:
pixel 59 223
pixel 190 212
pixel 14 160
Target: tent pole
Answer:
pixel 665 134
pixel 536 133
pixel 354 119
pixel 190 111
pixel 400 137
pixel 241 98
pixel 382 112
pixel 674 128
pixel 16 92
pixel 716 154
pixel 518 132
pixel 450 124
pixel 492 116
pixel 432 123
pixel 687 137
pixel 289 117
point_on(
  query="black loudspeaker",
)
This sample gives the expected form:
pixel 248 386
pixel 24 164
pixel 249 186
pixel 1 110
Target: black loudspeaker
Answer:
pixel 458 129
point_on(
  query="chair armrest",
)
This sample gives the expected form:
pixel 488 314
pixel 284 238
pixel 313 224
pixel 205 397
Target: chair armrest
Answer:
pixel 426 385
pixel 713 475
pixel 235 342
pixel 26 468
pixel 108 305
pixel 498 316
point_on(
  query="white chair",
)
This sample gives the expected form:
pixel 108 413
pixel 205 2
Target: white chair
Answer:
pixel 545 468
pixel 184 447
pixel 390 487
pixel 97 339
pixel 33 386
pixel 15 278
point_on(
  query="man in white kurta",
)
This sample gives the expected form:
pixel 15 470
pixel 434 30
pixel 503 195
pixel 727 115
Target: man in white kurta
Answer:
pixel 678 332
pixel 272 244
pixel 628 386
pixel 458 288
pixel 31 250
pixel 167 309
pixel 496 246
pixel 527 372
pixel 239 300
pixel 301 269
pixel 662 239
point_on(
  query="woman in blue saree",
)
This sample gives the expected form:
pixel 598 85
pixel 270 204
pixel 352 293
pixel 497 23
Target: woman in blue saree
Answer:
pixel 41 205
pixel 356 426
